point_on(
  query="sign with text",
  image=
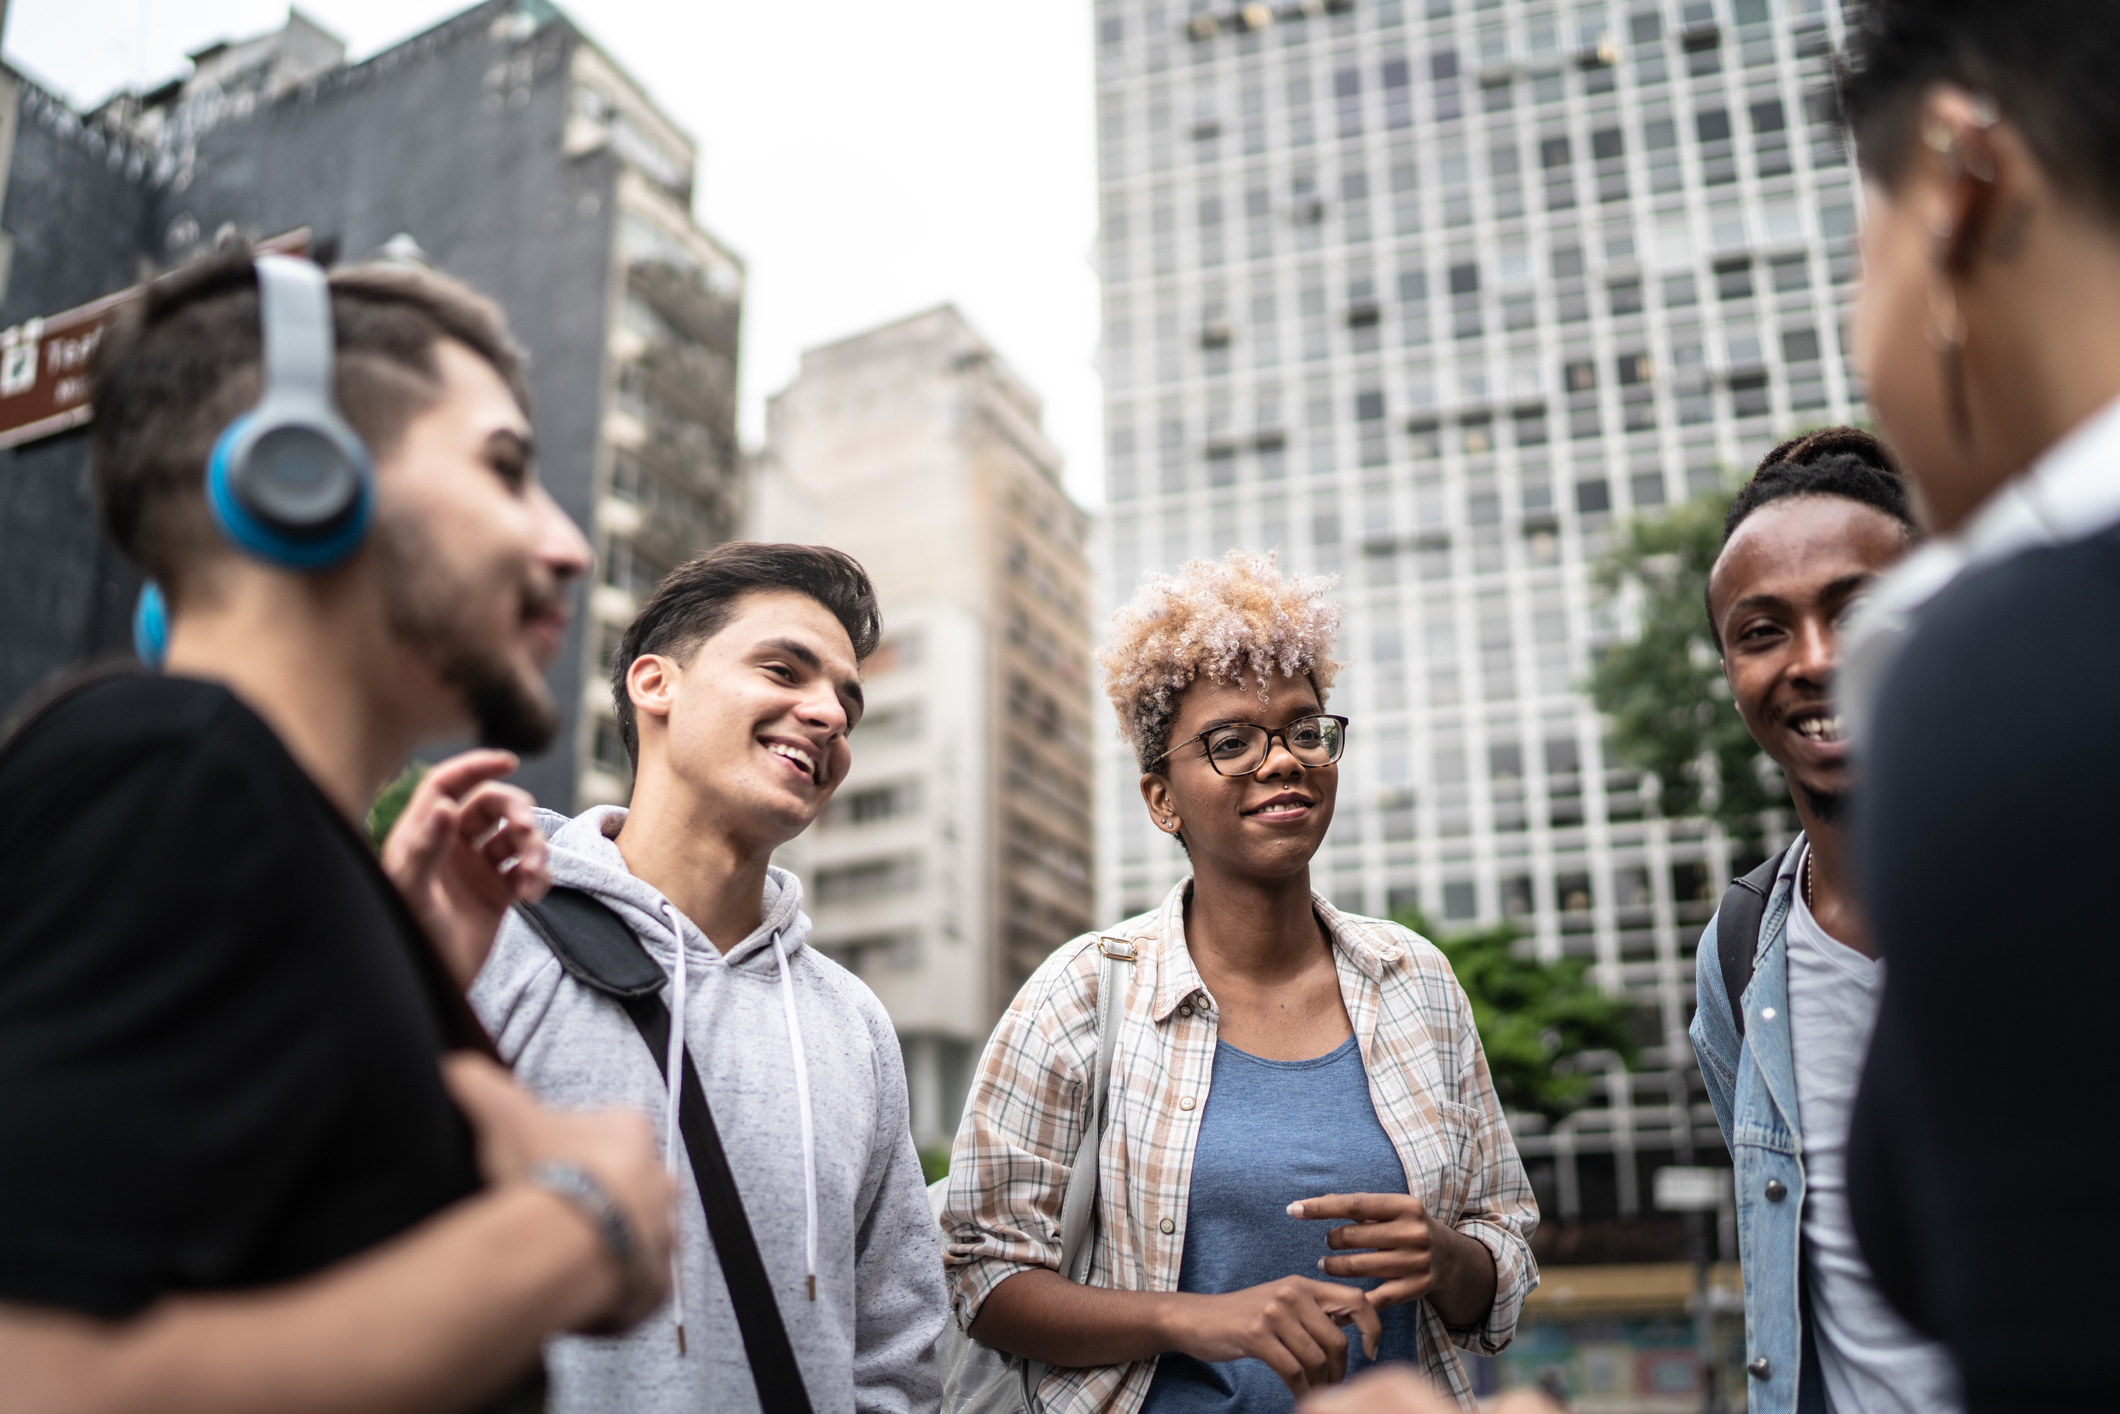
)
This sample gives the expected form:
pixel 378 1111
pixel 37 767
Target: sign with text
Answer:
pixel 44 362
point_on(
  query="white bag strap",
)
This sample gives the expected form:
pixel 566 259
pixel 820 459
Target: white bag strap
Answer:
pixel 1078 1206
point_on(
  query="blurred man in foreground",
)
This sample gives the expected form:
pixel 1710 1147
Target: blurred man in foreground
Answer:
pixel 1789 977
pixel 1984 678
pixel 254 1151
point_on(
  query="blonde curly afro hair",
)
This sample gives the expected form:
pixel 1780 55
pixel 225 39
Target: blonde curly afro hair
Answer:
pixel 1224 620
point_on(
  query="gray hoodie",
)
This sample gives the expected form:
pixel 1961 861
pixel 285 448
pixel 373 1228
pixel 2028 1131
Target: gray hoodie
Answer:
pixel 866 1342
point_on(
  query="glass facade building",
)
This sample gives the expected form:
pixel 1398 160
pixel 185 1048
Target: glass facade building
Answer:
pixel 1430 295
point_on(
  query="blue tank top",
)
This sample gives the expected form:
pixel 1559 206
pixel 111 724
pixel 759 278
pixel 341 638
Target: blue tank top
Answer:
pixel 1274 1132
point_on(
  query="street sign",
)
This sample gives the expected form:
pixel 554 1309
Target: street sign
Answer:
pixel 1690 1190
pixel 44 362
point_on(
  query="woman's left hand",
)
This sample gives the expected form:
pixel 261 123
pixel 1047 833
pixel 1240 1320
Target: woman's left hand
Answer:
pixel 1393 1238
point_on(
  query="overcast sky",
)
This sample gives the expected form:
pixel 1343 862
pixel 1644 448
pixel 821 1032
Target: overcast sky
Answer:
pixel 866 160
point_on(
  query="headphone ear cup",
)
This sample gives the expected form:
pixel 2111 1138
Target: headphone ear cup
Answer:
pixel 294 493
pixel 150 625
pixel 221 501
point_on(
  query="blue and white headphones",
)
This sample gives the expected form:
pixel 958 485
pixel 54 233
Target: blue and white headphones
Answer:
pixel 289 482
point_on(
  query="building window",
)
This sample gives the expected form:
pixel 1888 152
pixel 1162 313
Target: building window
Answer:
pixel 900 722
pixel 1530 423
pixel 1791 273
pixel 874 803
pixel 1748 395
pixel 869 878
pixel 1733 280
pixel 1626 297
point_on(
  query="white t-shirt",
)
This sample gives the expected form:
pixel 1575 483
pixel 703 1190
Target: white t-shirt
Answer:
pixel 1872 1360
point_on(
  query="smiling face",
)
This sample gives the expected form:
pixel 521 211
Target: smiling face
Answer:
pixel 755 722
pixel 1778 594
pixel 472 557
pixel 1263 826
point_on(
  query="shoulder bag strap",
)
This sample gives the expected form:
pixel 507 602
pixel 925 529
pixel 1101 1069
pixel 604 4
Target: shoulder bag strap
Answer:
pixel 1744 906
pixel 604 954
pixel 1078 1206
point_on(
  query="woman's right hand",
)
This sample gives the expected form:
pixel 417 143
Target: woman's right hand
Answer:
pixel 1292 1324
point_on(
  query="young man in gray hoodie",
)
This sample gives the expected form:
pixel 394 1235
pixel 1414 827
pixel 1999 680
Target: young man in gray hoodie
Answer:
pixel 735 690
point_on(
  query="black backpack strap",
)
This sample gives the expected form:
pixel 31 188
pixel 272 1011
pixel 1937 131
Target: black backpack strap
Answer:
pixel 1744 905
pixel 598 949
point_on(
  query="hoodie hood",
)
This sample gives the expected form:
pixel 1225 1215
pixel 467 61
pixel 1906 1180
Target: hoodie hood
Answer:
pixel 584 856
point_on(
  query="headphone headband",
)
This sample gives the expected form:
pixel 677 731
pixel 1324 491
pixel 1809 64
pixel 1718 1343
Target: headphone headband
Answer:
pixel 294 308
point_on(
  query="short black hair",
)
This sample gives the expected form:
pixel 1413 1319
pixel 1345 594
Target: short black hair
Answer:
pixel 2048 65
pixel 1833 461
pixel 696 600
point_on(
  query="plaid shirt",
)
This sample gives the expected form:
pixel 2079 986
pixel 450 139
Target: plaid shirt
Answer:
pixel 1427 1078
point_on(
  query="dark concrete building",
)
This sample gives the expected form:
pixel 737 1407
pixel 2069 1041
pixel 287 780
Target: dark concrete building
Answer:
pixel 521 159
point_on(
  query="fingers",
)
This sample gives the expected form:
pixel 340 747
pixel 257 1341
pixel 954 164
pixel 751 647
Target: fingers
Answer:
pixel 1321 1334
pixel 1363 1315
pixel 458 774
pixel 1398 1293
pixel 500 823
pixel 501 1113
pixel 617 1147
pixel 1395 1262
pixel 1362 1207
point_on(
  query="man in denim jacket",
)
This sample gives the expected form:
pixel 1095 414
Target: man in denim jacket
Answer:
pixel 1806 537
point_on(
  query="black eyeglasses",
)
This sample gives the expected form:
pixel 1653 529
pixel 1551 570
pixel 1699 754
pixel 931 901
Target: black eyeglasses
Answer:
pixel 1241 748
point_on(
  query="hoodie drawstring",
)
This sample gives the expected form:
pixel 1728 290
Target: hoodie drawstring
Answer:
pixel 802 1101
pixel 674 1070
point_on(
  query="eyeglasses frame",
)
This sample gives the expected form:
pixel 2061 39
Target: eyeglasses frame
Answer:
pixel 1279 733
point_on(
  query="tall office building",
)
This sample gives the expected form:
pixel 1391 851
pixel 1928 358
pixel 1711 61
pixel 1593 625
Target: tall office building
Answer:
pixel 521 159
pixel 1429 295
pixel 957 853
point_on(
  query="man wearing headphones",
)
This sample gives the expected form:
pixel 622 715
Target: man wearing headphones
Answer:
pixel 254 1151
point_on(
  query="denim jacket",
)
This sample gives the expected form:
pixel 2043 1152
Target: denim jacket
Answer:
pixel 1752 1084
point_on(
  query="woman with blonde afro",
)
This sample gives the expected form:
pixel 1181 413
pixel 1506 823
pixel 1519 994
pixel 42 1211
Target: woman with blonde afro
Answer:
pixel 1303 1166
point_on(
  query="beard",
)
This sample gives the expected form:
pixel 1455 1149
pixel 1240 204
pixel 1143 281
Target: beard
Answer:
pixel 1829 807
pixel 419 600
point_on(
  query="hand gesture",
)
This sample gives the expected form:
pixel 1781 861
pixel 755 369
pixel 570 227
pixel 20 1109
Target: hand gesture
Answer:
pixel 1406 1248
pixel 617 1148
pixel 1292 1324
pixel 464 849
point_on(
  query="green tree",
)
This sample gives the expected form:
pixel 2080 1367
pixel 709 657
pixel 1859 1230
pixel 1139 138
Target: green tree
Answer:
pixel 390 803
pixel 1534 1017
pixel 1663 688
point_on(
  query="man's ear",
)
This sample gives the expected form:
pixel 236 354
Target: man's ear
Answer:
pixel 652 683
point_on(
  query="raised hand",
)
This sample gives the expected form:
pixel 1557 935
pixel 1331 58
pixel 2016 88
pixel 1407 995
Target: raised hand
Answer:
pixel 1292 1324
pixel 1393 1238
pixel 617 1147
pixel 464 849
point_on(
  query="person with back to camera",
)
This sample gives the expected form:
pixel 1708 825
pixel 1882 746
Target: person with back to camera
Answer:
pixel 1983 684
pixel 1279 1067
pixel 1789 976
pixel 255 1153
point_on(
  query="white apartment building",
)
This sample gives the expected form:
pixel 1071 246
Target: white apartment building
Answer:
pixel 957 853
pixel 1428 294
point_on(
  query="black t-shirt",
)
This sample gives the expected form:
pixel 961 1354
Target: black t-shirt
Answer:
pixel 1989 838
pixel 220 1028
